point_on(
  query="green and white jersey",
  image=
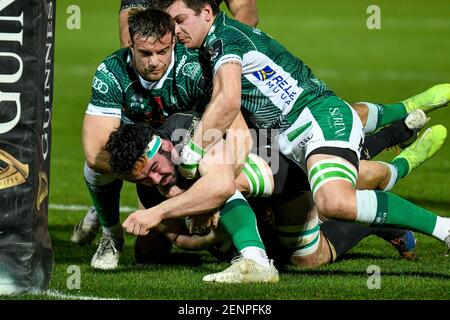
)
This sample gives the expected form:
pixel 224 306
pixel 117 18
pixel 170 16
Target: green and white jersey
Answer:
pixel 119 91
pixel 275 84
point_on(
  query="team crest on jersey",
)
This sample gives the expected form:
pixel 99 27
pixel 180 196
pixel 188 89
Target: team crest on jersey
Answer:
pixel 264 74
pixel 192 70
pixel 215 49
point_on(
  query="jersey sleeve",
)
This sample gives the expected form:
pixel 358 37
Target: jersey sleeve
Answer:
pixel 107 94
pixel 231 46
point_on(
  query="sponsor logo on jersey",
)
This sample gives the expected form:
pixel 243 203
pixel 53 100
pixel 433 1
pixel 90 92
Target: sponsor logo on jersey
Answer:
pixel 280 84
pixel 336 121
pixel 102 68
pixel 180 64
pixel 305 141
pixel 264 74
pixel 100 85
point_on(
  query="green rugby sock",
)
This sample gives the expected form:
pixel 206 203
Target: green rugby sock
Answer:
pixel 106 200
pixel 239 220
pixel 388 113
pixel 402 167
pixel 395 211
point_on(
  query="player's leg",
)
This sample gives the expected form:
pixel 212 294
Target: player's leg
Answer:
pixel 399 134
pixel 332 159
pixel 253 265
pixel 86 230
pixel 105 194
pixel 378 175
pixel 375 116
pixel 298 233
pixel 343 236
pixel 310 244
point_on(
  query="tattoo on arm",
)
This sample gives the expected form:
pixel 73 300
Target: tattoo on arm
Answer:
pixel 231 62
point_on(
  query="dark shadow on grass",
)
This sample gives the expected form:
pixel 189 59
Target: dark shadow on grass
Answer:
pixel 319 272
pixel 357 255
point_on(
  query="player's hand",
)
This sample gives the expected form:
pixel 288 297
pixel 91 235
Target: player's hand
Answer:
pixel 190 156
pixel 203 223
pixel 141 221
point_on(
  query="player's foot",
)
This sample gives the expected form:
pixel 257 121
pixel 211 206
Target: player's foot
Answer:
pixel 447 242
pixel 425 147
pixel 86 231
pixel 108 252
pixel 435 97
pixel 406 245
pixel 415 121
pixel 245 271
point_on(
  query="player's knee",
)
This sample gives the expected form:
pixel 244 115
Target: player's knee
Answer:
pixel 335 206
pixel 362 110
pixel 319 257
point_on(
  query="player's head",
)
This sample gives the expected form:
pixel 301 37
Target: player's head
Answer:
pixel 152 41
pixel 193 18
pixel 141 156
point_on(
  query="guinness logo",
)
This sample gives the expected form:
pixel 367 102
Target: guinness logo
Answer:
pixel 43 189
pixel 12 171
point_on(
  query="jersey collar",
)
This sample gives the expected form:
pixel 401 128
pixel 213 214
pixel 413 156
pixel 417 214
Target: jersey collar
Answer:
pixel 218 22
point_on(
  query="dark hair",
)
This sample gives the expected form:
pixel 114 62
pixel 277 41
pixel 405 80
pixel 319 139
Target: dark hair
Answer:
pixel 150 22
pixel 126 146
pixel 195 5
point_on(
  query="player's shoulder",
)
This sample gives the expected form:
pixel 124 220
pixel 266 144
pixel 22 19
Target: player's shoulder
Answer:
pixel 189 67
pixel 183 54
pixel 116 61
pixel 179 125
pixel 116 68
pixel 228 35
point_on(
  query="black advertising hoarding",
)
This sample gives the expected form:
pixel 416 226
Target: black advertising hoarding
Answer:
pixel 26 92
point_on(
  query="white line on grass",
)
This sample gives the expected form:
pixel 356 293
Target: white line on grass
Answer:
pixel 77 207
pixel 59 295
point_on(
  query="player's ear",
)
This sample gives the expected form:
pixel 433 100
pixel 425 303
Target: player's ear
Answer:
pixel 130 44
pixel 166 145
pixel 207 13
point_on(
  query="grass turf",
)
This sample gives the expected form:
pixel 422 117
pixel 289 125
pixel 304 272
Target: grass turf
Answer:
pixel 407 55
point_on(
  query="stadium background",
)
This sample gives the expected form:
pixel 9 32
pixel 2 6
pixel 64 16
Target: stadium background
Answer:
pixel 407 55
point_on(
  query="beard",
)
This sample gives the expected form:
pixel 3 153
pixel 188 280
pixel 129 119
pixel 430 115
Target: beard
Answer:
pixel 174 178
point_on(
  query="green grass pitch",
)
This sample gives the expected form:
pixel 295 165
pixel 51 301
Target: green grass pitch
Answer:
pixel 410 53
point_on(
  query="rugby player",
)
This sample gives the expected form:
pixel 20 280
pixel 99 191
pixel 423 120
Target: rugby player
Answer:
pixel 126 89
pixel 242 10
pixel 317 128
pixel 130 86
pixel 129 158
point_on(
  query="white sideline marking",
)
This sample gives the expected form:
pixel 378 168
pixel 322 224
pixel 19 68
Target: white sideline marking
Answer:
pixel 77 207
pixel 59 295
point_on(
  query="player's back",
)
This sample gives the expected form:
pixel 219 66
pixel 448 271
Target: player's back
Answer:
pixel 273 79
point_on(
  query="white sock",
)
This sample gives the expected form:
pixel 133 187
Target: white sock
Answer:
pixel 114 231
pixel 394 176
pixel 372 117
pixel 256 254
pixel 442 228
